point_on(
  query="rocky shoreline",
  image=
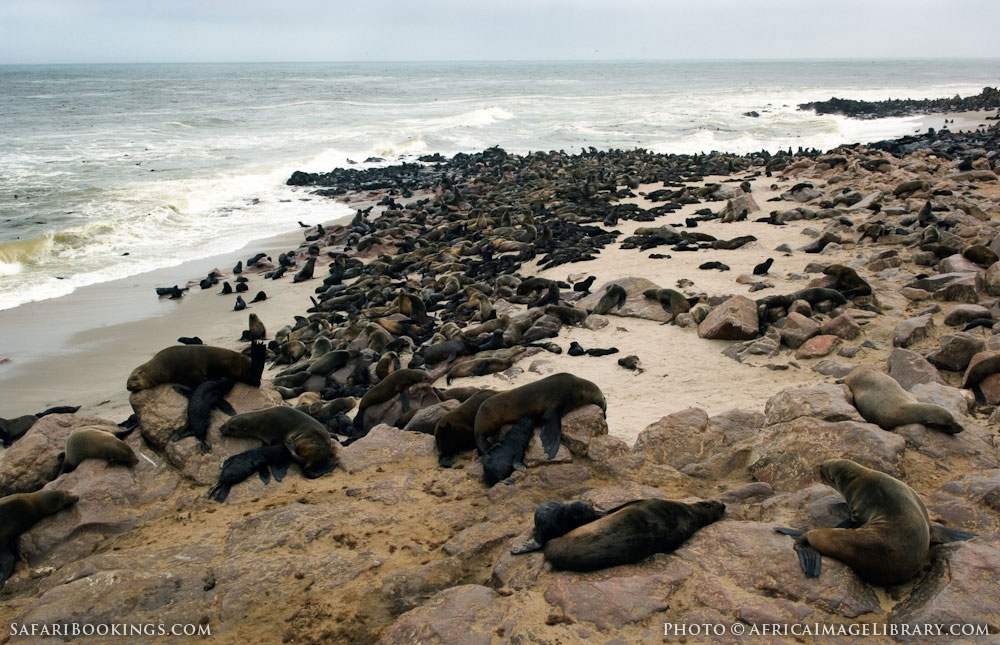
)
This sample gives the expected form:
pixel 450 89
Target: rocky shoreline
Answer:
pixel 988 99
pixel 392 548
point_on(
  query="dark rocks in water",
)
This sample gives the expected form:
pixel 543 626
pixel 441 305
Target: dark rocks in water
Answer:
pixel 753 113
pixel 988 99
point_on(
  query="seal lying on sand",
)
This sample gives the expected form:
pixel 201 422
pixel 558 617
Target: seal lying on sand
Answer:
pixel 191 365
pixel 889 534
pixel 628 533
pixel 544 401
pixel 883 401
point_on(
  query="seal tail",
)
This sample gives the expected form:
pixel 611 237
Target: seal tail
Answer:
pixel 792 532
pixel 258 355
pixel 219 492
pixel 7 560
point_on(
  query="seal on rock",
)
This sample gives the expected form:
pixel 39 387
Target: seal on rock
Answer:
pixel 555 519
pixel 889 533
pixel 455 430
pixel 263 460
pixel 507 455
pixel 398 382
pixel 630 533
pixel 883 401
pixel 20 512
pixel 306 438
pixel 190 365
pixel 96 442
pixel 614 296
pixel 545 401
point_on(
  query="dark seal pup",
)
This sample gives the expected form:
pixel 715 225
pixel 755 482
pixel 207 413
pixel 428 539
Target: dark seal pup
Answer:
pixel 263 460
pixel 631 533
pixel 555 519
pixel 191 365
pixel 545 401
pixel 208 395
pixel 506 455
pixel 20 512
pixel 306 438
pixel 888 536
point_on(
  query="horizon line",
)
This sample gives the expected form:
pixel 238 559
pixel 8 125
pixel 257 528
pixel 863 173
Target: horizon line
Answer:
pixel 851 59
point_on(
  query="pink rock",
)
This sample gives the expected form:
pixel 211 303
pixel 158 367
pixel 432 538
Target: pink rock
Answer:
pixel 735 319
pixel 817 346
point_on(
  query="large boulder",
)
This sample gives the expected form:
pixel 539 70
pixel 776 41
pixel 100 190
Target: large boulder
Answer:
pixel 33 460
pixel 734 319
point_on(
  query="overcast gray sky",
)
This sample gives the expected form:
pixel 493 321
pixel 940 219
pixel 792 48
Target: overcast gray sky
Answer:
pixel 92 31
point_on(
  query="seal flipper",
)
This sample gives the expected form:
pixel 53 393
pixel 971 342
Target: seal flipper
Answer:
pixel 183 391
pixel 258 356
pixel 404 398
pixel 792 532
pixel 809 558
pixel 528 546
pixel 551 432
pixel 941 534
pixel 978 391
pixel 446 461
pixel 519 465
pixel 226 408
pixel 278 471
pixel 219 492
pixel 265 474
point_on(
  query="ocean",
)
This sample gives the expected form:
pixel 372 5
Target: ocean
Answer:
pixel 108 171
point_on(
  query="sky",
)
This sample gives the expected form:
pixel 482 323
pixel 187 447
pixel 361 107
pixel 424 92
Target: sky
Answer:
pixel 131 31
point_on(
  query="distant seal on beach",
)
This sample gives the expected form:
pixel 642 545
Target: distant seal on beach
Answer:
pixel 306 438
pixel 545 401
pixel 883 401
pixel 256 327
pixel 889 533
pixel 630 533
pixel 20 512
pixel 455 431
pixel 614 296
pixel 190 365
pixel 478 367
pixel 763 267
pixel 96 442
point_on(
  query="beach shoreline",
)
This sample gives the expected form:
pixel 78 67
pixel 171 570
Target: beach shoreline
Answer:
pixel 78 349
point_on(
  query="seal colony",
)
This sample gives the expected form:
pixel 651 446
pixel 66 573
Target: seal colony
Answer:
pixel 456 281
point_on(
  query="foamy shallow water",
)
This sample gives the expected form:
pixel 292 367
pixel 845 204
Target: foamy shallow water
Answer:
pixel 110 171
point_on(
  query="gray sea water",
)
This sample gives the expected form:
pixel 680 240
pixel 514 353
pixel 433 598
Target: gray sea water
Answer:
pixel 108 171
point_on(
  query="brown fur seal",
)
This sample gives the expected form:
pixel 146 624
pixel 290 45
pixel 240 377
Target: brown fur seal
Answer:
pixel 672 301
pixel 614 296
pixel 455 430
pixel 981 255
pixel 190 365
pixel 306 438
pixel 398 382
pixel 256 328
pixel 96 442
pixel 883 401
pixel 20 512
pixel 631 533
pixel 545 401
pixel 848 283
pixel 478 367
pixel 890 532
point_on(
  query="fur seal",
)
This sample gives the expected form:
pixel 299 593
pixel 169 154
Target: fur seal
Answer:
pixel 190 365
pixel 614 296
pixel 584 285
pixel 96 442
pixel 209 394
pixel 544 401
pixel 884 402
pixel 399 383
pixel 507 455
pixel 763 267
pixel 260 297
pixel 889 533
pixel 554 519
pixel 673 302
pixel 20 512
pixel 240 304
pixel 454 431
pixel 849 283
pixel 306 438
pixel 630 533
pixel 256 327
pixel 263 460
pixel 13 429
pixel 478 367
